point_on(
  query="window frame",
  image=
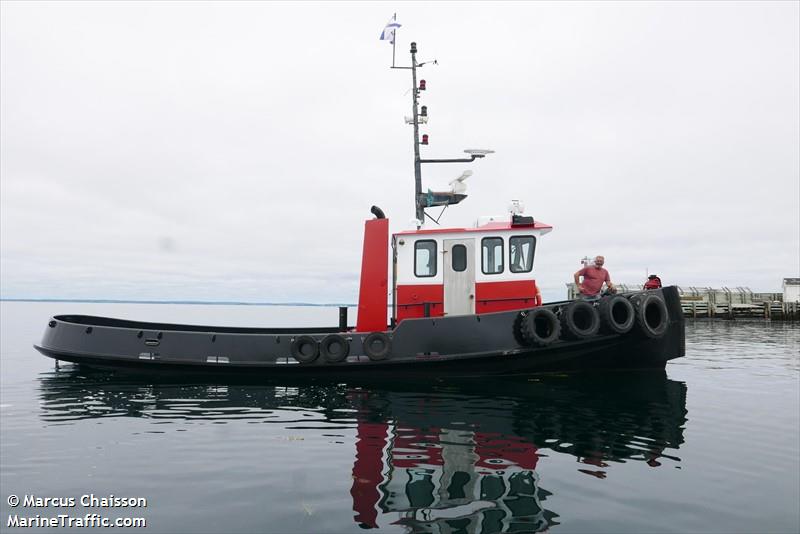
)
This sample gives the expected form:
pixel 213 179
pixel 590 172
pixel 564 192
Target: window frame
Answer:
pixel 434 254
pixel 533 253
pixel 453 258
pixel 502 255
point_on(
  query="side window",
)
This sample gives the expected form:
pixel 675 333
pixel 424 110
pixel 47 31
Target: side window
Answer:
pixel 492 255
pixel 459 258
pixel 520 253
pixel 425 258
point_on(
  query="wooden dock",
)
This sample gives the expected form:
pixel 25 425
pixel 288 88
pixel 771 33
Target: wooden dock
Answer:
pixel 740 302
pixel 725 303
pixel 786 311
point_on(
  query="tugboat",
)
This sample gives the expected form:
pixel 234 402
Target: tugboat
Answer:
pixel 465 304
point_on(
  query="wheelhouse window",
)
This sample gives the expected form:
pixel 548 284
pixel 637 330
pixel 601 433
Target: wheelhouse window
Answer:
pixel 492 255
pixel 459 258
pixel 425 259
pixel 520 253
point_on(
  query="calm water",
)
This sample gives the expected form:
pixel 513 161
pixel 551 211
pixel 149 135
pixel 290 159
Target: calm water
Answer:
pixel 709 446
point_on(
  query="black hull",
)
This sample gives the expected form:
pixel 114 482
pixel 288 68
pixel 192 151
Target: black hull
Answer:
pixel 594 354
pixel 462 346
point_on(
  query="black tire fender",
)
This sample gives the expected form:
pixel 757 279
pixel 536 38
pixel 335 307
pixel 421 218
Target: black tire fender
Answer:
pixel 617 315
pixel 377 346
pixel 652 316
pixel 334 348
pixel 579 320
pixel 539 327
pixel 304 349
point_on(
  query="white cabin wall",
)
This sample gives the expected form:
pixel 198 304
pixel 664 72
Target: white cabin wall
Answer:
pixel 405 261
pixel 405 256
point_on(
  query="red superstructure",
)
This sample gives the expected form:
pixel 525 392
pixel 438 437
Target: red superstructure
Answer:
pixel 450 271
pixel 460 271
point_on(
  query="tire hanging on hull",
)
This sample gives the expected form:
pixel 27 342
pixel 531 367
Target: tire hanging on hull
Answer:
pixel 538 327
pixel 617 315
pixel 377 346
pixel 652 316
pixel 579 320
pixel 304 349
pixel 334 348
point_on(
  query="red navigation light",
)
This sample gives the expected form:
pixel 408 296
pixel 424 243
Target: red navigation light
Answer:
pixel 422 85
pixel 424 139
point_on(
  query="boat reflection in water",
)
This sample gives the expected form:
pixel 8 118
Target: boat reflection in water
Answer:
pixel 437 457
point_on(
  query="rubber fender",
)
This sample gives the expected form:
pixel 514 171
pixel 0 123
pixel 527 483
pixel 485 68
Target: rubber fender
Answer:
pixel 539 327
pixel 334 348
pixel 579 320
pixel 616 314
pixel 652 317
pixel 305 349
pixel 377 346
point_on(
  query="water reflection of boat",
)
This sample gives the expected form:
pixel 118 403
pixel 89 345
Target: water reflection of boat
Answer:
pixel 464 459
pixel 433 457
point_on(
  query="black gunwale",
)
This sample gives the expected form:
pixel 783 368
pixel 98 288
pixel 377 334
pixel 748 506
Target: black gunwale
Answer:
pixel 92 320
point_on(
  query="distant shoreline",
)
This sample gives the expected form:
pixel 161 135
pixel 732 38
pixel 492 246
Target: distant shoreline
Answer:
pixel 203 302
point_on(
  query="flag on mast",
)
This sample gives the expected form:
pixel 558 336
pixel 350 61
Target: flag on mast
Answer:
pixel 388 32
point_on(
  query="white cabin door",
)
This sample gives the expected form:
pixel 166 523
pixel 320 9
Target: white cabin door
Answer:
pixel 459 276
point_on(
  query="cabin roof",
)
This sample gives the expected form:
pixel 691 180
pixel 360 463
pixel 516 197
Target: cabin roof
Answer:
pixel 493 226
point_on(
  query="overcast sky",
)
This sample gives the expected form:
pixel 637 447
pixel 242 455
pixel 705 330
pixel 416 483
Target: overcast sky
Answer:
pixel 232 151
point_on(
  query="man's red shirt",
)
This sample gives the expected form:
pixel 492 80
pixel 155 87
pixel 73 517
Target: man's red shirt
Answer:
pixel 593 279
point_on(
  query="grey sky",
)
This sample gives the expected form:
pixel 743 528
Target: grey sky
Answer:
pixel 232 151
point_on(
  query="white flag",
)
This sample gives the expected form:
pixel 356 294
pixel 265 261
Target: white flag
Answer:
pixel 388 32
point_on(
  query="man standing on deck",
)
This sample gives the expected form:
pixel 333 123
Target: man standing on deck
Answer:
pixel 593 278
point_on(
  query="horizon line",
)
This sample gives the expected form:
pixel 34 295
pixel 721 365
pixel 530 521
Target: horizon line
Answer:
pixel 206 302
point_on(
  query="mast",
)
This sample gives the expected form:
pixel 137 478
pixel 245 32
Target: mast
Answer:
pixel 420 209
pixel 421 115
